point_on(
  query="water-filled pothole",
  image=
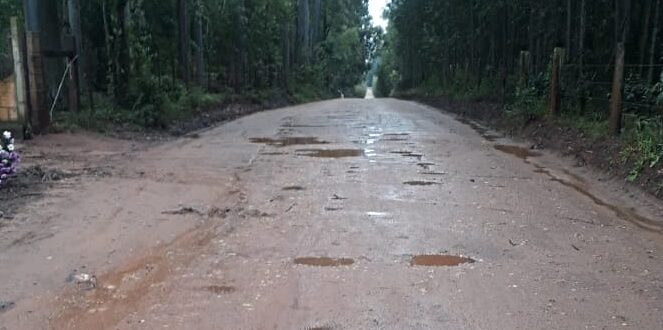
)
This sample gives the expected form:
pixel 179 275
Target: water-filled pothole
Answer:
pixel 439 260
pixel 324 261
pixel 220 289
pixel 408 154
pixel 330 153
pixel 294 188
pixel 420 183
pixel 288 141
pixel 517 151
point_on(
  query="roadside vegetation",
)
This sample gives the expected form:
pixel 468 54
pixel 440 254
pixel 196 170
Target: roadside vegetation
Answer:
pixel 147 64
pixel 502 53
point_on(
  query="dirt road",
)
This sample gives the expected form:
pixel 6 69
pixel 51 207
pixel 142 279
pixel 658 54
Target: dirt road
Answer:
pixel 345 214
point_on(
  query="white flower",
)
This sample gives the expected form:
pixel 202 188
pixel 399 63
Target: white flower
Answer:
pixel 10 147
pixel 7 135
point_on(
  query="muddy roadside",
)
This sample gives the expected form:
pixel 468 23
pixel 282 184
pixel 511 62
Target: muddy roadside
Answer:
pixel 602 155
pixel 68 156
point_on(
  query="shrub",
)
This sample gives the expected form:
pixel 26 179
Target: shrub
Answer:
pixel 645 147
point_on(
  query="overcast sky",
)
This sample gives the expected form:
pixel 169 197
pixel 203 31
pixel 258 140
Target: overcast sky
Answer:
pixel 376 7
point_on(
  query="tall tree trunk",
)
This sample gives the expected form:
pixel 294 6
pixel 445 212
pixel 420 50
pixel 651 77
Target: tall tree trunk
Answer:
pixel 644 36
pixel 569 12
pixel 200 47
pixel 108 38
pixel 654 36
pixel 581 38
pixel 122 63
pixel 74 13
pixel 316 29
pixel 184 46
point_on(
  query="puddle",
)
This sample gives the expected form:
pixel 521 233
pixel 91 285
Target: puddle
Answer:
pixel 288 141
pixel 438 260
pixel 294 188
pixel 408 154
pixel 6 305
pixel 377 214
pixel 517 151
pixel 272 153
pixel 331 153
pixel 304 126
pixel 420 183
pixel 324 262
pixel 397 134
pixel 220 289
pixel 425 165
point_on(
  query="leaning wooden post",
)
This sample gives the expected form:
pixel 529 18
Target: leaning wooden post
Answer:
pixel 19 71
pixel 558 55
pixel 616 99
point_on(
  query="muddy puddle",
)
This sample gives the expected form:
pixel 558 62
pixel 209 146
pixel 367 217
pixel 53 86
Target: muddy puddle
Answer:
pixel 330 153
pixel 294 188
pixel 220 289
pixel 324 261
pixel 288 141
pixel 420 183
pixel 408 154
pixel 517 151
pixel 439 260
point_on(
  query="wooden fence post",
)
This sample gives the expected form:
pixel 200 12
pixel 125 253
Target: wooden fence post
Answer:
pixel 19 71
pixel 616 99
pixel 558 55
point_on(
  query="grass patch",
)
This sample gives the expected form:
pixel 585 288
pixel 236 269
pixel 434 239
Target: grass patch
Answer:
pixel 644 146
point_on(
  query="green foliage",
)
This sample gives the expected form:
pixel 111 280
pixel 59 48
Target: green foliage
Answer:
pixel 526 105
pixel 311 49
pixel 359 91
pixel 645 146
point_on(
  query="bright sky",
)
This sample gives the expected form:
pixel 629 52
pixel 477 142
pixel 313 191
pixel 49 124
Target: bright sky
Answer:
pixel 376 7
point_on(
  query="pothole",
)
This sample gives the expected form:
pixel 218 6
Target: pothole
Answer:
pixel 408 154
pixel 220 289
pixel 517 151
pixel 439 260
pixel 288 141
pixel 420 183
pixel 324 261
pixel 294 188
pixel 330 153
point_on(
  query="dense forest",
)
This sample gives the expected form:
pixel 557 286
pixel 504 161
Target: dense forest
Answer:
pixel 148 60
pixel 474 47
pixel 608 77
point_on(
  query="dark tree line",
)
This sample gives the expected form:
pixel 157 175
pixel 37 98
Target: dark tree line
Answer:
pixel 476 43
pixel 141 54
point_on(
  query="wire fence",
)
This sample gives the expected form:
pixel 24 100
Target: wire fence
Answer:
pixel 591 90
